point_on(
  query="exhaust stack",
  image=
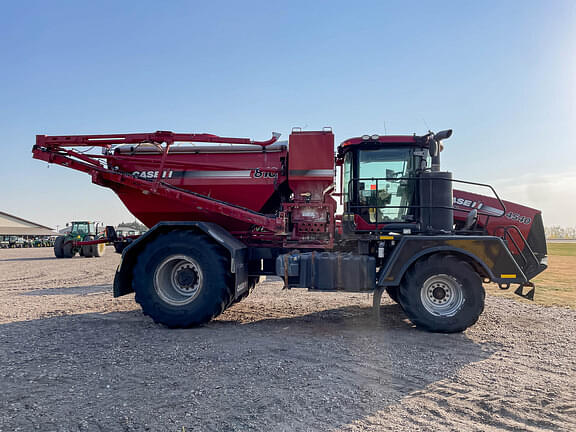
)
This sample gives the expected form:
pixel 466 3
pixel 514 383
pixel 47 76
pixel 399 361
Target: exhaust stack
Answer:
pixel 435 147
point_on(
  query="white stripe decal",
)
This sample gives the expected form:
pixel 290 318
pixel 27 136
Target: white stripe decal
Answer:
pixel 313 173
pixel 212 174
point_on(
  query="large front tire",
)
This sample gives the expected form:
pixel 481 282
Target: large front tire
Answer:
pixel 442 293
pixel 181 279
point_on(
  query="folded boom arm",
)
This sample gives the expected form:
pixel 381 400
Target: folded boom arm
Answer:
pixel 55 149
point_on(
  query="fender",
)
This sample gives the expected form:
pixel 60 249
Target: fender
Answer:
pixel 488 254
pixel 236 249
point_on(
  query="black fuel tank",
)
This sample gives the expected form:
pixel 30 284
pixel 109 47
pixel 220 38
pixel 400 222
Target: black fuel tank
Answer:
pixel 329 271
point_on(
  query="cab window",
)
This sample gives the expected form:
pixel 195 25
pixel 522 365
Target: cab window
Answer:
pixel 383 191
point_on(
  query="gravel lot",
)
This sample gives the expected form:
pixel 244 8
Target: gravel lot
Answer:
pixel 74 358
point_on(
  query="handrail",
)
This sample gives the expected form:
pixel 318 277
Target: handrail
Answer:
pixel 526 244
pixel 412 178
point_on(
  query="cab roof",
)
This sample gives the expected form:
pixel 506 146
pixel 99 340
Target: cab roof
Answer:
pixel 381 139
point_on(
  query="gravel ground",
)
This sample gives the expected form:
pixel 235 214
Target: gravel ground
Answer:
pixel 73 358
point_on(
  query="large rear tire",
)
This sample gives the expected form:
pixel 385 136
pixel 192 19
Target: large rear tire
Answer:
pixel 442 293
pixel 181 279
pixel 58 251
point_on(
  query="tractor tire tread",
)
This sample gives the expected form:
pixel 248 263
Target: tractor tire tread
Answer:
pixel 218 284
pixel 58 251
pixel 409 294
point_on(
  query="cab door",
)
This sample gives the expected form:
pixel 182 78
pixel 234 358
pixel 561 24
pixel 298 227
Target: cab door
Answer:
pixel 377 186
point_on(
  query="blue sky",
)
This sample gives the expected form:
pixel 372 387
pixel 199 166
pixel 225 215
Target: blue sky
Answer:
pixel 502 74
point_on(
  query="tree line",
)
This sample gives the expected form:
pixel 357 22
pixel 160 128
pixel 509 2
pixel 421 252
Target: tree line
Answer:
pixel 558 232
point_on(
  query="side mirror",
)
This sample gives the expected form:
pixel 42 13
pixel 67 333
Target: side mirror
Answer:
pixel 445 134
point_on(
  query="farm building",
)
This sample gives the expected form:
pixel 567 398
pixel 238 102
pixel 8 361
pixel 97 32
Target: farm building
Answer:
pixel 14 228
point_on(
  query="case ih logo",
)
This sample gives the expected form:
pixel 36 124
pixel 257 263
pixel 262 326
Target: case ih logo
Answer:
pixel 152 174
pixel 256 173
pixel 468 203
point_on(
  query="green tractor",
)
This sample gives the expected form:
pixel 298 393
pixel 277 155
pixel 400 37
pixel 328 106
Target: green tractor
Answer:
pixel 72 243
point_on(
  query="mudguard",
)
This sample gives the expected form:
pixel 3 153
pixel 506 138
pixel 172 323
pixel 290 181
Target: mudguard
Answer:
pixel 489 255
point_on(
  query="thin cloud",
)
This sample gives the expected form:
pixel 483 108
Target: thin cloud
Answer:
pixel 554 194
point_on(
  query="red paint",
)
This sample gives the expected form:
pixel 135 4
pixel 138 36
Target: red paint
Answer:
pixel 512 215
pixel 394 139
pixel 162 182
pixel 159 181
pixel 245 179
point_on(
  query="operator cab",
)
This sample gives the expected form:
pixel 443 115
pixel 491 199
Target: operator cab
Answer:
pixel 83 228
pixel 380 187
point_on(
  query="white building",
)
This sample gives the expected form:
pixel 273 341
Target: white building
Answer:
pixel 11 225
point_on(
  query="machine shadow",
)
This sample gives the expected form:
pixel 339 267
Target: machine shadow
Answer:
pixel 31 259
pixel 76 290
pixel 354 316
pixel 317 371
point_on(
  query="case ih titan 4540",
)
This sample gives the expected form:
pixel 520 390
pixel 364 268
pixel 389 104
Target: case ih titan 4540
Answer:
pixel 225 211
